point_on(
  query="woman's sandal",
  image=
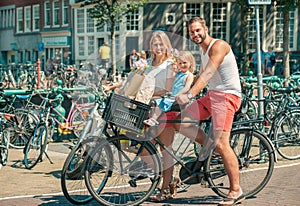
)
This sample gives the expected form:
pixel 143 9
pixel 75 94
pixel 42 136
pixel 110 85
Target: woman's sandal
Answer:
pixel 162 196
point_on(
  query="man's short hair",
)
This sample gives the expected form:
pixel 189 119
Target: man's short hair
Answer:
pixel 197 19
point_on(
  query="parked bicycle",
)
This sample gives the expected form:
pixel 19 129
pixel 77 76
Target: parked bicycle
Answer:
pixel 72 180
pixel 51 117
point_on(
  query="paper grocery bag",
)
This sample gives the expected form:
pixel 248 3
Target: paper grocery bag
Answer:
pixel 146 90
pixel 132 85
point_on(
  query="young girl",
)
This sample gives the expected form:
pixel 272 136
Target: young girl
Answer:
pixel 183 80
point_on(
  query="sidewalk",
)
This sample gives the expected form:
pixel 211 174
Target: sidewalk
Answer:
pixel 41 185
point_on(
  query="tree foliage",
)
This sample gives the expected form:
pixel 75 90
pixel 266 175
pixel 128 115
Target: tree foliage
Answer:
pixel 287 5
pixel 110 12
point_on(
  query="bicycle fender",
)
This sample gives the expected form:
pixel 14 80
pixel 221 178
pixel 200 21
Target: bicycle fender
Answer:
pixel 266 137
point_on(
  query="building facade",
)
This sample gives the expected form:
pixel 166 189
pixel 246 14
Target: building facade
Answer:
pixel 63 31
pixel 35 29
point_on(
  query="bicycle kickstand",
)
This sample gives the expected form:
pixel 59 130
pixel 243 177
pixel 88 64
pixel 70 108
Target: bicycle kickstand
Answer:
pixel 48 158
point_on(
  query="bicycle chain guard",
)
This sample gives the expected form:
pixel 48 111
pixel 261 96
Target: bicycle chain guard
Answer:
pixel 191 175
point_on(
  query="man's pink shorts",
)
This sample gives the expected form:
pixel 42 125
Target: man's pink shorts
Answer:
pixel 219 105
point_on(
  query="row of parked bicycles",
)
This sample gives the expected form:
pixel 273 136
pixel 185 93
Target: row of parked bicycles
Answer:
pixel 25 76
pixel 108 162
pixel 31 118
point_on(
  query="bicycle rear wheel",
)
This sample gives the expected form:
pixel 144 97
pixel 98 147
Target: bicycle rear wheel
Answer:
pixel 72 177
pixel 256 163
pixel 287 137
pixel 118 175
pixel 36 146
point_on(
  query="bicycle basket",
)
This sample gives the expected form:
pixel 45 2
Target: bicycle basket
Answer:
pixel 126 113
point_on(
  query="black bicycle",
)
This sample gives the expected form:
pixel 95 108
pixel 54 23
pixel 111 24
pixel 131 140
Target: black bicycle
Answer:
pixel 117 175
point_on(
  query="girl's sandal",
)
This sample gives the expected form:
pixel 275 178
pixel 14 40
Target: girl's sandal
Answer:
pixel 173 186
pixel 162 196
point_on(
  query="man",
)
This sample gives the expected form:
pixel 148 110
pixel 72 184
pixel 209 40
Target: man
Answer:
pixel 104 54
pixel 219 71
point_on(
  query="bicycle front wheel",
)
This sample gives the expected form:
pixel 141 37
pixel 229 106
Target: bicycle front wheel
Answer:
pixel 72 177
pixel 117 173
pixel 256 163
pixel 287 137
pixel 23 125
pixel 4 146
pixel 36 146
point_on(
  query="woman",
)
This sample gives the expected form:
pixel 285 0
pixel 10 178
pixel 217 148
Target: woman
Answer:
pixel 160 67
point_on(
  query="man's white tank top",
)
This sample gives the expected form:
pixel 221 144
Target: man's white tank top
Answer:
pixel 226 78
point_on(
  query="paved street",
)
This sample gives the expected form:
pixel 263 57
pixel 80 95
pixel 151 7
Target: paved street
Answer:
pixel 41 185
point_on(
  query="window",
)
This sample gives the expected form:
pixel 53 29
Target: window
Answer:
pixel 91 45
pixel 219 11
pixel 27 55
pixel 1 19
pixel 192 10
pixel 80 46
pixel 117 26
pixel 252 28
pixel 10 20
pixel 65 12
pixel 56 13
pixel 80 21
pixel 47 14
pixel 90 23
pixel 279 30
pixel 132 20
pixel 36 17
pixel 118 45
pixel 20 19
pixel 100 29
pixel 27 18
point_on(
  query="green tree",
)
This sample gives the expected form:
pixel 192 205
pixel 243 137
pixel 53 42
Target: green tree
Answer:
pixel 285 6
pixel 245 12
pixel 110 12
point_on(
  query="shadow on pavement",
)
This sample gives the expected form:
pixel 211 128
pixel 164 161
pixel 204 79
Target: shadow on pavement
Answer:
pixel 60 200
pixel 204 200
pixel 56 173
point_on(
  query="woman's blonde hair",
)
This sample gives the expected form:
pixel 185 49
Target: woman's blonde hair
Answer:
pixel 188 57
pixel 165 40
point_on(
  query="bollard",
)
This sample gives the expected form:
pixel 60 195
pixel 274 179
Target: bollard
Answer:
pixel 38 73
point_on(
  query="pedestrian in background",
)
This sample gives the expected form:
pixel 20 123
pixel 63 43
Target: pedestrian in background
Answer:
pixel 104 55
pixel 133 58
pixel 254 60
pixel 271 61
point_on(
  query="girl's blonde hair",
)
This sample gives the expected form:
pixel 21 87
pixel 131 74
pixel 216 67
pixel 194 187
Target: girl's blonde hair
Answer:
pixel 188 57
pixel 165 40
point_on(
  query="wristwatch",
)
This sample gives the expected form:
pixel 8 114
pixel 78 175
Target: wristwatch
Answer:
pixel 189 95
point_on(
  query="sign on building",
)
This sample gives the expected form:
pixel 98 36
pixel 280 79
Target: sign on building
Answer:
pixel 41 47
pixel 259 2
